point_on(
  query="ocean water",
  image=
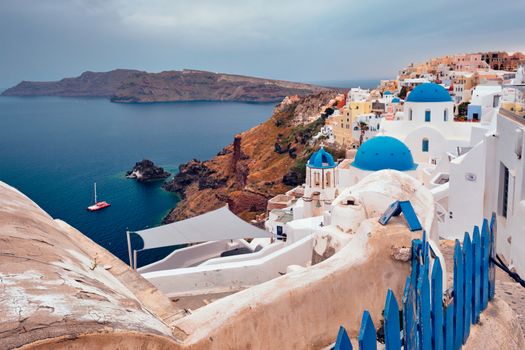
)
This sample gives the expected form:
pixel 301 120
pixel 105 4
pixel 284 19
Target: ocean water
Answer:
pixel 53 149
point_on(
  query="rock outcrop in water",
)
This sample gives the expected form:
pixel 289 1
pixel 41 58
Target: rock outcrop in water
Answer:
pixel 246 173
pixel 146 170
pixel 133 86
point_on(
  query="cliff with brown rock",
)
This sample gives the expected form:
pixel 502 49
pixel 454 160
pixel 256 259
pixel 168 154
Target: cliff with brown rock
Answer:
pixel 88 84
pixel 133 86
pixel 261 163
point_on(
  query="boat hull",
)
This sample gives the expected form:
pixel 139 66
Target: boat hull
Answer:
pixel 98 206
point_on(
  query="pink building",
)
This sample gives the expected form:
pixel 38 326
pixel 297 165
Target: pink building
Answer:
pixel 470 62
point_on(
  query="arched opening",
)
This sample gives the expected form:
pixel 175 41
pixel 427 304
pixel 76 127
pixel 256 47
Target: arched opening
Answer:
pixel 328 179
pixel 445 115
pixel 317 179
pixel 424 145
pixel 427 115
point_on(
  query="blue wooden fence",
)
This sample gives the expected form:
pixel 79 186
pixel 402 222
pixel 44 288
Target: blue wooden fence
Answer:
pixel 428 321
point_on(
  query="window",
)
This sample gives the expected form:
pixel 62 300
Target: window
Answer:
pixel 410 114
pixel 495 102
pixel 504 188
pixel 424 145
pixel 427 115
pixel 280 234
pixel 445 115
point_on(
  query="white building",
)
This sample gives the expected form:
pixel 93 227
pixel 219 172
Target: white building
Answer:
pixel 490 178
pixel 428 127
pixel 485 99
pixel 357 95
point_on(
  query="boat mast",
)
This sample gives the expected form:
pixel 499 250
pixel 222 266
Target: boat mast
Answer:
pixel 95 187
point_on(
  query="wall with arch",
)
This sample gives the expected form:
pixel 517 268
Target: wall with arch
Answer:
pixel 322 180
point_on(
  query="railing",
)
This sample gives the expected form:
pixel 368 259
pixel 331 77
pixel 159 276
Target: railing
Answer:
pixel 429 321
pixel 441 213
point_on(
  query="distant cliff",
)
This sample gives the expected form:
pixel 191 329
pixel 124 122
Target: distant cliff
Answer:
pixel 262 162
pixel 132 86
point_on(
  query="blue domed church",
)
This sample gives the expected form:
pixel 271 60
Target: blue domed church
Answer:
pixel 378 153
pixel 428 128
pixel 384 152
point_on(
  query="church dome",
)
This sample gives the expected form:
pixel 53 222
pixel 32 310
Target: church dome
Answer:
pixel 384 152
pixel 321 159
pixel 429 92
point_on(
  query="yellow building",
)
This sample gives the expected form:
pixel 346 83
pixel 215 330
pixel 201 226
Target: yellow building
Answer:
pixel 463 83
pixel 342 123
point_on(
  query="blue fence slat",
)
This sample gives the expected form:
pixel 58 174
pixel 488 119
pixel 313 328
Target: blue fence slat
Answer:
pixel 437 305
pixel 409 318
pixel 448 327
pixel 423 305
pixel 467 286
pixel 492 255
pixel 367 333
pixel 391 326
pixel 424 247
pixel 485 248
pixel 476 275
pixel 343 341
pixel 416 256
pixel 459 297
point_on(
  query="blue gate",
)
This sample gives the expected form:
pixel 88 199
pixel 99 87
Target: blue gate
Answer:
pixel 428 321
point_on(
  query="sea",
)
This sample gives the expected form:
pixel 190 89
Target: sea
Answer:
pixel 53 149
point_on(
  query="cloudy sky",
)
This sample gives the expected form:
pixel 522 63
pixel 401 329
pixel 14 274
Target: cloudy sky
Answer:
pixel 301 40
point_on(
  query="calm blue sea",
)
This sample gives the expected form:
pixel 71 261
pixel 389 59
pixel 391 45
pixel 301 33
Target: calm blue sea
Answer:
pixel 53 149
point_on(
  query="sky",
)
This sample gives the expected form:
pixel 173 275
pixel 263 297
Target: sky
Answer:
pixel 298 40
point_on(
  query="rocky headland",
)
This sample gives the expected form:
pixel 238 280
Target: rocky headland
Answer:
pixel 146 170
pixel 133 86
pixel 260 163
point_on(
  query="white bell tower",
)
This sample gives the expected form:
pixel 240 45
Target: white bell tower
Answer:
pixel 321 183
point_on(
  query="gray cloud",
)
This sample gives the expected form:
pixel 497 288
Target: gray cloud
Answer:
pixel 303 40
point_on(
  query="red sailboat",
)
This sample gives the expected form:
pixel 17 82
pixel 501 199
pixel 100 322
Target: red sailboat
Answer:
pixel 98 205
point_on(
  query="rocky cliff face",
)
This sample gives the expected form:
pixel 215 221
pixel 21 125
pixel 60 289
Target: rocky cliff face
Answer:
pixel 89 84
pixel 132 86
pixel 259 164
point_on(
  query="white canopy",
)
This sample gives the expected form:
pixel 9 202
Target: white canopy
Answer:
pixel 216 225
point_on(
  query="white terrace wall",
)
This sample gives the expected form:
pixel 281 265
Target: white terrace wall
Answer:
pixel 303 309
pixel 231 275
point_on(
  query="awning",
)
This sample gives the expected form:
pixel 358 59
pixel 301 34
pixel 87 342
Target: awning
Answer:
pixel 216 225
